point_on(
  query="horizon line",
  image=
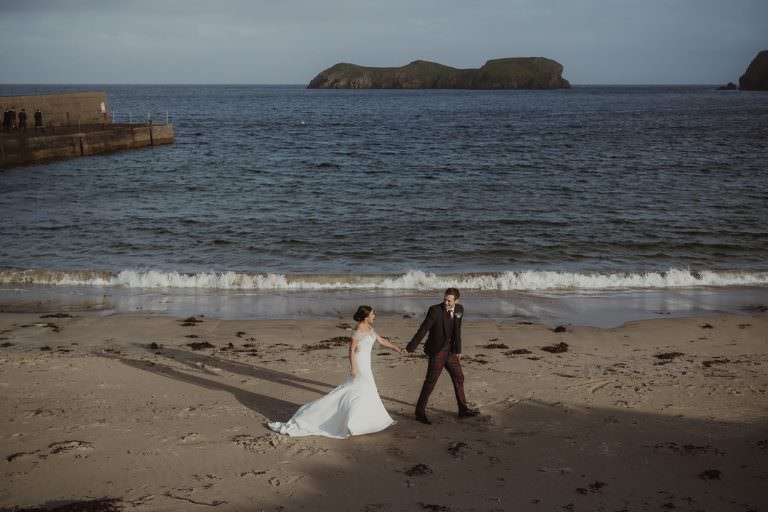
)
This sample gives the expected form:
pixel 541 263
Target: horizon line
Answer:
pixel 595 84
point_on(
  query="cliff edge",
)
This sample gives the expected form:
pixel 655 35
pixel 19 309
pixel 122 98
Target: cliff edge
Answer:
pixel 756 76
pixel 511 73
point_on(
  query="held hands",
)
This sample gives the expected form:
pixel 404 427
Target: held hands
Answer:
pixel 403 351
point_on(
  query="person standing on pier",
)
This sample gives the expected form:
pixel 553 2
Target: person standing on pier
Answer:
pixel 7 123
pixel 23 120
pixel 38 120
pixel 12 118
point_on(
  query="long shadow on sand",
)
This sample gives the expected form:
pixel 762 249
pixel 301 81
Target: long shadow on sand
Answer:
pixel 195 360
pixel 535 456
pixel 521 456
pixel 268 406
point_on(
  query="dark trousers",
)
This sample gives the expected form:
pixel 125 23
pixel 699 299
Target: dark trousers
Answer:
pixel 450 362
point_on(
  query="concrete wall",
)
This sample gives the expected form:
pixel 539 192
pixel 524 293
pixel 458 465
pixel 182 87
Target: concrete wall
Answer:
pixel 162 134
pixel 61 109
pixel 21 149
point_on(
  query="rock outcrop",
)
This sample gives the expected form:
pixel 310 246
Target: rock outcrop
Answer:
pixel 730 87
pixel 756 76
pixel 512 73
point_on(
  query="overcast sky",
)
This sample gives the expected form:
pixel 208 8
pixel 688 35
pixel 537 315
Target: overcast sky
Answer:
pixel 290 41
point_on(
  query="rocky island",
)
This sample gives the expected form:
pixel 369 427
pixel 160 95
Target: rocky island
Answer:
pixel 756 76
pixel 510 73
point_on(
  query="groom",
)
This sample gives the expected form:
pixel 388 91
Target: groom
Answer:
pixel 443 347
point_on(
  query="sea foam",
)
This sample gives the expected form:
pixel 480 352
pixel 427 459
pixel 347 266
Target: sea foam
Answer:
pixel 530 280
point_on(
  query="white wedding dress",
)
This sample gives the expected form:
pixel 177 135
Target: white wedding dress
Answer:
pixel 351 409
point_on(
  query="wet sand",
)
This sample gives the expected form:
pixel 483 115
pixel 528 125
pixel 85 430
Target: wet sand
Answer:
pixel 154 413
pixel 607 308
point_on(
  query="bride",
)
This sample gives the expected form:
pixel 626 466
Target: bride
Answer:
pixel 353 408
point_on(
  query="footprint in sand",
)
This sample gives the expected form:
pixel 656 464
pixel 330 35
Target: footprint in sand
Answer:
pixel 419 470
pixel 304 452
pixel 207 480
pixel 457 449
pixel 44 413
pixel 192 437
pixel 593 488
pixel 395 452
pixel 268 442
pixel 710 474
pixel 259 444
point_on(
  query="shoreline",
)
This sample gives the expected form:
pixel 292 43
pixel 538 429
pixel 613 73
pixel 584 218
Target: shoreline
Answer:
pixel 607 309
pixel 663 413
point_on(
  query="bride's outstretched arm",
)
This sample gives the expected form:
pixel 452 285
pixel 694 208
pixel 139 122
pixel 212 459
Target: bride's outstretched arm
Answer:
pixel 352 349
pixel 389 344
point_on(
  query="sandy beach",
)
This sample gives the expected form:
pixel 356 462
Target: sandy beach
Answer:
pixel 154 413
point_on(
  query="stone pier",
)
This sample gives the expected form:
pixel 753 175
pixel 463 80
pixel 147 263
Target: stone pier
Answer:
pixel 74 124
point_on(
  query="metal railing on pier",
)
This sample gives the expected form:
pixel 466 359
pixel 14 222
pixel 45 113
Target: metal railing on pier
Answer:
pixel 75 125
pixel 119 117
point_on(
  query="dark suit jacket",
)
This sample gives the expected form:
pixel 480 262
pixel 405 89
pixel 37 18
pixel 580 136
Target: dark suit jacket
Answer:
pixel 436 323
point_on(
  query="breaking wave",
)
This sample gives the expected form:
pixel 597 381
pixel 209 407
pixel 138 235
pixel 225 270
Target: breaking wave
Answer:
pixel 531 280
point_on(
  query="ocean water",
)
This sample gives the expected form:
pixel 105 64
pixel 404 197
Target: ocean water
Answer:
pixel 284 188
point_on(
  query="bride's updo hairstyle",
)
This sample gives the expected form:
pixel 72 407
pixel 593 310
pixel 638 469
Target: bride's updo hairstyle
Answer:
pixel 362 313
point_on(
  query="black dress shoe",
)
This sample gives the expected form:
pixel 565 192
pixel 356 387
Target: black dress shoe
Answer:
pixel 468 413
pixel 423 419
